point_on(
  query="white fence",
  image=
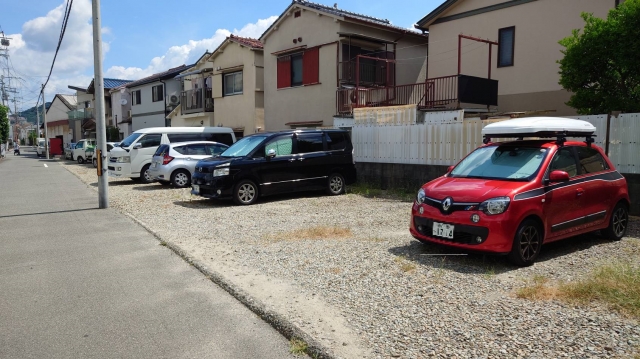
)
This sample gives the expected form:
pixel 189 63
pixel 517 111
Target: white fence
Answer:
pixel 444 138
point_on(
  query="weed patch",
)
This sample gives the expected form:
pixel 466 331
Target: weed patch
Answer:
pixel 369 190
pixel 298 347
pixel 405 265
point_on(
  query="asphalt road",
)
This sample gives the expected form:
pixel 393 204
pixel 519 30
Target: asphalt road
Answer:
pixel 82 282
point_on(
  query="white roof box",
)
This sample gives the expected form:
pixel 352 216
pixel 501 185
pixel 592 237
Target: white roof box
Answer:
pixel 539 127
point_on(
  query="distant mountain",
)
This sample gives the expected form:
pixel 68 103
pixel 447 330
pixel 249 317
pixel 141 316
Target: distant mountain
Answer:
pixel 30 114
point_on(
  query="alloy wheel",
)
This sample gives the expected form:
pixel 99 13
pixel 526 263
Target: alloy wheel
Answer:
pixel 181 179
pixel 529 242
pixel 147 176
pixel 246 193
pixel 336 184
pixel 619 221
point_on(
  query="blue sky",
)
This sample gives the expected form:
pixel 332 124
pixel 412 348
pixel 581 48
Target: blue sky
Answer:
pixel 145 37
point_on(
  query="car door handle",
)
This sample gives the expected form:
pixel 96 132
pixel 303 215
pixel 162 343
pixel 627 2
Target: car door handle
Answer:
pixel 188 158
pixel 292 159
pixel 579 192
pixel 301 158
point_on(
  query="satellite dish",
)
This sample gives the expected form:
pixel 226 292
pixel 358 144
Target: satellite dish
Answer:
pixel 123 101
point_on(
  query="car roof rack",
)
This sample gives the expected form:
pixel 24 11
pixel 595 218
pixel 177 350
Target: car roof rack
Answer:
pixel 540 127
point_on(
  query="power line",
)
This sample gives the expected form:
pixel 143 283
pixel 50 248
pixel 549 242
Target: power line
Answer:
pixel 65 19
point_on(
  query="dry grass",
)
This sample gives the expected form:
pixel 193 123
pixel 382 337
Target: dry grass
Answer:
pixel 616 285
pixel 405 265
pixel 298 347
pixel 320 232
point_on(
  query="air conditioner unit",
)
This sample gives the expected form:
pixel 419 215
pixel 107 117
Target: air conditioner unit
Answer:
pixel 173 100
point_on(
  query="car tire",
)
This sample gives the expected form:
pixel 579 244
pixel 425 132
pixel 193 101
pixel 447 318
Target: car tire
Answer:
pixel 181 178
pixel 527 244
pixel 80 160
pixel 95 163
pixel 245 193
pixel 618 222
pixel 144 175
pixel 335 184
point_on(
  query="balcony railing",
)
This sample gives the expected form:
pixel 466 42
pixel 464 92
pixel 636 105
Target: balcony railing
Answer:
pixel 196 100
pixel 441 92
pixel 81 114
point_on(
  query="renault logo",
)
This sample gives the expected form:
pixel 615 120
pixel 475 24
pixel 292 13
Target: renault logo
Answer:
pixel 446 204
pixel 199 169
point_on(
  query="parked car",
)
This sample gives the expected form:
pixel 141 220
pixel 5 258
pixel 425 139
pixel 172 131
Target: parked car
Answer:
pixel 40 150
pixel 78 153
pixel 133 157
pixel 513 197
pixel 68 150
pixel 268 163
pixel 90 153
pixel 174 163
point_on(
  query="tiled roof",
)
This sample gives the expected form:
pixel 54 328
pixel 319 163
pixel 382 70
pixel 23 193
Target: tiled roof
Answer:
pixel 108 84
pixel 246 41
pixel 169 74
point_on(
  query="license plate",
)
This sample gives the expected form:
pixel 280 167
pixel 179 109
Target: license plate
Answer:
pixel 443 230
pixel 195 189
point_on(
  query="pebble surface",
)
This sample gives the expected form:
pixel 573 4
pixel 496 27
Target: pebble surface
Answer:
pixel 399 298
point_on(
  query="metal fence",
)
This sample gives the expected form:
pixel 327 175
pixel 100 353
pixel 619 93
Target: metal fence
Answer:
pixel 444 138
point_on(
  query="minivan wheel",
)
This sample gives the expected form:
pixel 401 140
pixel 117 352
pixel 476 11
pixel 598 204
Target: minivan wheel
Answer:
pixel 80 160
pixel 181 178
pixel 145 177
pixel 95 163
pixel 618 223
pixel 245 193
pixel 526 244
pixel 335 184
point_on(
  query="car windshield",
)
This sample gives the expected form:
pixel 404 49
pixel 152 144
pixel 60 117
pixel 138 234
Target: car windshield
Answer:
pixel 501 162
pixel 41 143
pixel 243 147
pixel 130 140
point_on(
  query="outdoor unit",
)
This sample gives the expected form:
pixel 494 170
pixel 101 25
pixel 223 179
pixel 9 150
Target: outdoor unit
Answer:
pixel 173 100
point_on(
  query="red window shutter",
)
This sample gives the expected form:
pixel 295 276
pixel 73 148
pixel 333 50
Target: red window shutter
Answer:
pixel 311 66
pixel 284 72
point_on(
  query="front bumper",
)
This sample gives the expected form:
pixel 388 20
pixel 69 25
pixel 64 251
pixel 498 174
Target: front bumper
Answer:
pixel 492 234
pixel 119 170
pixel 212 187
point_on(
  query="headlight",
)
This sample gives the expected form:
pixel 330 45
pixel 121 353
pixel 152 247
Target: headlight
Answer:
pixel 421 196
pixel 124 159
pixel 220 172
pixel 495 205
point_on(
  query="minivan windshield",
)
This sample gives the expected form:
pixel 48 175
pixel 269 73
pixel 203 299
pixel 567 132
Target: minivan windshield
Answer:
pixel 243 147
pixel 130 139
pixel 502 163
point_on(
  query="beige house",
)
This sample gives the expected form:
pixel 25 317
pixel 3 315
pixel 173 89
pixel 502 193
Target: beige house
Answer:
pixel 57 117
pixel 317 57
pixel 196 99
pixel 525 49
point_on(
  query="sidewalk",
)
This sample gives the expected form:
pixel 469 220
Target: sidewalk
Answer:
pixel 80 282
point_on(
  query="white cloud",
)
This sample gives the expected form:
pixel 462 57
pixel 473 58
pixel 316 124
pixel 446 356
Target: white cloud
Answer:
pixel 189 52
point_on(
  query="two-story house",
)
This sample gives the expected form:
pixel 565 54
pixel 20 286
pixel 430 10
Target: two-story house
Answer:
pixel 515 41
pixel 321 60
pixel 121 110
pixel 58 118
pixel 82 121
pixel 195 106
pixel 154 97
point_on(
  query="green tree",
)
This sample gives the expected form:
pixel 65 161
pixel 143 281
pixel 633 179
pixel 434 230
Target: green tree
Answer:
pixel 4 124
pixel 600 64
pixel 32 138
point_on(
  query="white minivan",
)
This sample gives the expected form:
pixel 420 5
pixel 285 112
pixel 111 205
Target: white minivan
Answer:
pixel 133 157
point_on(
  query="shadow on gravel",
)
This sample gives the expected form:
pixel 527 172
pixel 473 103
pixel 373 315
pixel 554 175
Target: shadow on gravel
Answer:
pixel 152 187
pixel 437 256
pixel 116 184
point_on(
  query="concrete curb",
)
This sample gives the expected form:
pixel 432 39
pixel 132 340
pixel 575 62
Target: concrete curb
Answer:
pixel 277 321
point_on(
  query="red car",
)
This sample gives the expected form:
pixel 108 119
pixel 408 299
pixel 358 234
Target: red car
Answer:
pixel 511 197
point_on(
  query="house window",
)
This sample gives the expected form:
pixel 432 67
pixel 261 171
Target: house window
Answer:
pixel 157 93
pixel 233 83
pixel 506 41
pixel 135 97
pixel 299 69
pixel 296 14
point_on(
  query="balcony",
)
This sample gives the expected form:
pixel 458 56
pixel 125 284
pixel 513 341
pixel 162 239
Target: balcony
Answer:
pixel 196 100
pixel 447 92
pixel 81 114
pixel 370 73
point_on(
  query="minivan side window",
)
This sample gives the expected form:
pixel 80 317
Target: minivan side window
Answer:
pixel 282 144
pixel 150 140
pixel 564 161
pixel 336 141
pixel 219 137
pixel 184 137
pixel 310 142
pixel 591 160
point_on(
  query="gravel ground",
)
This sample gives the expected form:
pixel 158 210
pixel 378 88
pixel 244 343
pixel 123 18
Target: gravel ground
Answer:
pixel 378 293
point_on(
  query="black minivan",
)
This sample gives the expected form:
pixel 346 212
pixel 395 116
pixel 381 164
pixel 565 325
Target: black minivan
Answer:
pixel 277 162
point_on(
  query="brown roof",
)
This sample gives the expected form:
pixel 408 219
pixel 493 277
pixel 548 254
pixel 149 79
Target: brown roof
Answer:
pixel 246 41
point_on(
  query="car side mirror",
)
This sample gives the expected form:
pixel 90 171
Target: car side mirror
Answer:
pixel 137 146
pixel 558 176
pixel 271 153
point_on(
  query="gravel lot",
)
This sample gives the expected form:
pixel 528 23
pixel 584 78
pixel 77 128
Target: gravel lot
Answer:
pixel 377 292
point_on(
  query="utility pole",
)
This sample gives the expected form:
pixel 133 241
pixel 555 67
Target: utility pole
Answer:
pixel 101 130
pixel 44 123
